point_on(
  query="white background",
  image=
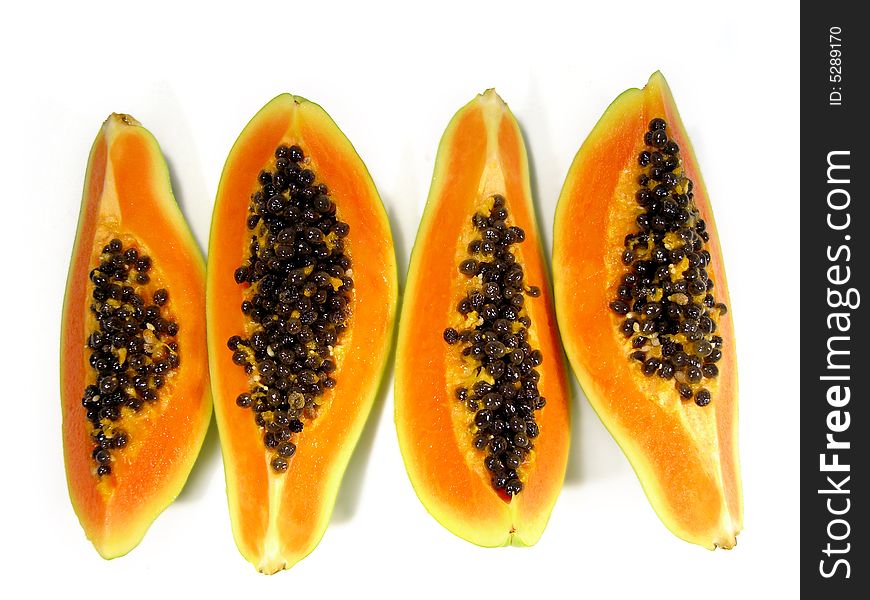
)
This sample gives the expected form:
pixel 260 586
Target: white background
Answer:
pixel 392 77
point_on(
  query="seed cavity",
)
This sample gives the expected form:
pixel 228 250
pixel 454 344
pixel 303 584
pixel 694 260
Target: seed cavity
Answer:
pixel 298 291
pixel 666 295
pixel 133 349
pixel 504 396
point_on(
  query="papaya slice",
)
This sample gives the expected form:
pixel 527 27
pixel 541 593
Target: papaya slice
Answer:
pixel 642 302
pixel 301 302
pixel 134 373
pixel 481 391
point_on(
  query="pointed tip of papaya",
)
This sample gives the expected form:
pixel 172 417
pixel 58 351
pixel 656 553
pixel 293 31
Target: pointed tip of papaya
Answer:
pixel 270 567
pixel 491 98
pixel 290 104
pixel 111 544
pixel 288 98
pixel 726 545
pixel 524 535
pixel 517 542
pixel 122 120
pixel 723 538
pixel 727 540
pixel 657 81
pixel 111 553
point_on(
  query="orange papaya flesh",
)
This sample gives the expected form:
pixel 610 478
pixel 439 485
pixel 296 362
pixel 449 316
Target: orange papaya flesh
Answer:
pixel 481 167
pixel 134 373
pixel 294 388
pixel 654 353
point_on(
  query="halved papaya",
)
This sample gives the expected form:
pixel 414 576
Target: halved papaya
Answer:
pixel 134 373
pixel 481 391
pixel 642 302
pixel 301 303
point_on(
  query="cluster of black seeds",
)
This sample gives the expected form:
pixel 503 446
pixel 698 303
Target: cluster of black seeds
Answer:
pixel 133 349
pixel 297 301
pixel 504 411
pixel 667 295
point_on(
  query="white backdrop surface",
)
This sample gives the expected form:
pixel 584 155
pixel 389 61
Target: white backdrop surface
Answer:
pixel 391 76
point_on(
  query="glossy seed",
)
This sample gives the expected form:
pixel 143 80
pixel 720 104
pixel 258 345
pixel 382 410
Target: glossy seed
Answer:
pixel 468 267
pixel 619 307
pixel 666 371
pixel 703 348
pixel 287 449
pixel 710 370
pixel 650 366
pixel 714 355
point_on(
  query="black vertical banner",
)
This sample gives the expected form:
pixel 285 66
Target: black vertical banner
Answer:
pixel 835 301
